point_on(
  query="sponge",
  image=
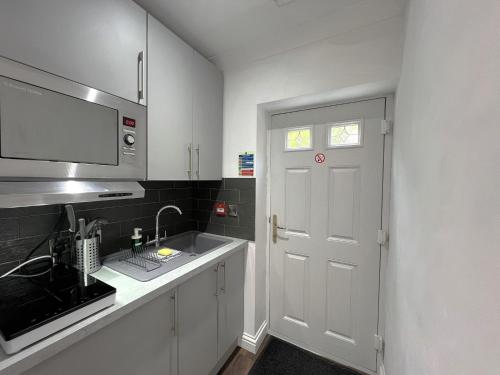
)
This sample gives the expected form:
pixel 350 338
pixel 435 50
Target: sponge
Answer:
pixel 165 252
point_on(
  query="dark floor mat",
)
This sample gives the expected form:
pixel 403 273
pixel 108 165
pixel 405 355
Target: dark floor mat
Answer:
pixel 282 358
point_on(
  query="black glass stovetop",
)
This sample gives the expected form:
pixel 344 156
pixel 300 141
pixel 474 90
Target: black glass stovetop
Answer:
pixel 29 303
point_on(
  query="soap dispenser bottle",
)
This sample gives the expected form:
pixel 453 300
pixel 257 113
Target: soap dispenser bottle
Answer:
pixel 136 239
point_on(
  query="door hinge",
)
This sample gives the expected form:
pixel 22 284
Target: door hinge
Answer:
pixel 382 237
pixel 378 343
pixel 386 126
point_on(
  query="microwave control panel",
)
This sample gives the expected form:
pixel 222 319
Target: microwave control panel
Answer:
pixel 128 136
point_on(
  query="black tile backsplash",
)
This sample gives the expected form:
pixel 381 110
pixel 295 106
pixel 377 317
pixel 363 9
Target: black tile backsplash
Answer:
pixel 238 191
pixel 23 228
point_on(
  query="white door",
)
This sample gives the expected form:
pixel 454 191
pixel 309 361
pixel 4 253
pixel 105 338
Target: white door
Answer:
pixel 326 192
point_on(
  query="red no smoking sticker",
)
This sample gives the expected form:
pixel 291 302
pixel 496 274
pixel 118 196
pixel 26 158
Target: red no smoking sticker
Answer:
pixel 319 158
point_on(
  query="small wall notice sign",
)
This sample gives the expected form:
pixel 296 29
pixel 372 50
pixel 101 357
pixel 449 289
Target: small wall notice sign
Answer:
pixel 319 158
pixel 246 164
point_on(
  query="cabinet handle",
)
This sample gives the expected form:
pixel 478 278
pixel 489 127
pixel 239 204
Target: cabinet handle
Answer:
pixel 216 270
pixel 198 157
pixel 223 268
pixel 190 160
pixel 140 76
pixel 173 306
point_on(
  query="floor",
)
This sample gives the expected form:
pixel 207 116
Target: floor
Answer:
pixel 241 361
pixel 283 358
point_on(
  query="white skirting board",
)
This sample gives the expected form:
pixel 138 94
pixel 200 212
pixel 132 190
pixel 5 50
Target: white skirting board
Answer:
pixel 252 343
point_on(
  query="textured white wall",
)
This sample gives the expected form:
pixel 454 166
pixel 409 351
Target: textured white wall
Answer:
pixel 365 55
pixel 443 281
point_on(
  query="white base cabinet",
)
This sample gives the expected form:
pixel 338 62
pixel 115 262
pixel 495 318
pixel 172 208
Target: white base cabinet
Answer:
pixel 197 322
pixel 210 316
pixel 98 43
pixel 230 297
pixel 187 331
pixel 141 342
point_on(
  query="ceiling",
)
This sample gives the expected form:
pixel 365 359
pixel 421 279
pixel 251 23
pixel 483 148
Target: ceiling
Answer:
pixel 236 32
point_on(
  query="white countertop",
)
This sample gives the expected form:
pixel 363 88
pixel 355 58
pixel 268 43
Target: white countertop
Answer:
pixel 130 294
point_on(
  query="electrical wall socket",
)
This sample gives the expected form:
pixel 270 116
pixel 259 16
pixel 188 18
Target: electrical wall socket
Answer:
pixel 232 210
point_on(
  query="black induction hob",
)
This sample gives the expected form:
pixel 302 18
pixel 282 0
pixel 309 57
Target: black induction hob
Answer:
pixel 33 308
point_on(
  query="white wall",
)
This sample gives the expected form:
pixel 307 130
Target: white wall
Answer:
pixel 443 281
pixel 366 57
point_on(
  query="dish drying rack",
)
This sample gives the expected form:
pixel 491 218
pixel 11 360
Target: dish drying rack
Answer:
pixel 146 258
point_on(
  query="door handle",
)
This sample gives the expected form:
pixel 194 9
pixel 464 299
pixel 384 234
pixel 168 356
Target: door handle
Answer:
pixel 140 76
pixel 275 230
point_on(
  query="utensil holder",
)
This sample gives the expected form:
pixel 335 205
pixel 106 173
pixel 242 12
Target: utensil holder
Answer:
pixel 87 255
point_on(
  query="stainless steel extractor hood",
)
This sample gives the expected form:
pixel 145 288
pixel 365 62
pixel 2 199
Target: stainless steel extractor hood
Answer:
pixel 39 193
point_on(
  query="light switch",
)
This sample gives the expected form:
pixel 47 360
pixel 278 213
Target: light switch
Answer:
pixel 232 210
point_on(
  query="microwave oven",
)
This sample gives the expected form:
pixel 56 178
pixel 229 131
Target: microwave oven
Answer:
pixel 52 128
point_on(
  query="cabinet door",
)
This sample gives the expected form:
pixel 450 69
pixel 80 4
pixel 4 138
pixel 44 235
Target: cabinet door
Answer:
pixel 231 289
pixel 207 119
pixel 141 342
pixel 93 42
pixel 170 106
pixel 197 324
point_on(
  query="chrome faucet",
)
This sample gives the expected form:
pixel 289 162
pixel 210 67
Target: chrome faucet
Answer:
pixel 157 235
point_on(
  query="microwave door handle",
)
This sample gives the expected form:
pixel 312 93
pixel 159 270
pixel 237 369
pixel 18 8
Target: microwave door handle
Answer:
pixel 140 76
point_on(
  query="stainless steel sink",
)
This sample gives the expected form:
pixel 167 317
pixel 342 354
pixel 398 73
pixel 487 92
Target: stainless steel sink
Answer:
pixel 192 244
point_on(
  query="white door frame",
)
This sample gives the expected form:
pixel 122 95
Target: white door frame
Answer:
pixel 263 183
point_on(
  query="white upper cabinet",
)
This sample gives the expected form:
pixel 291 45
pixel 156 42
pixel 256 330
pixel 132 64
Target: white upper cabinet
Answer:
pixel 184 110
pixel 207 118
pixel 170 106
pixel 98 43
